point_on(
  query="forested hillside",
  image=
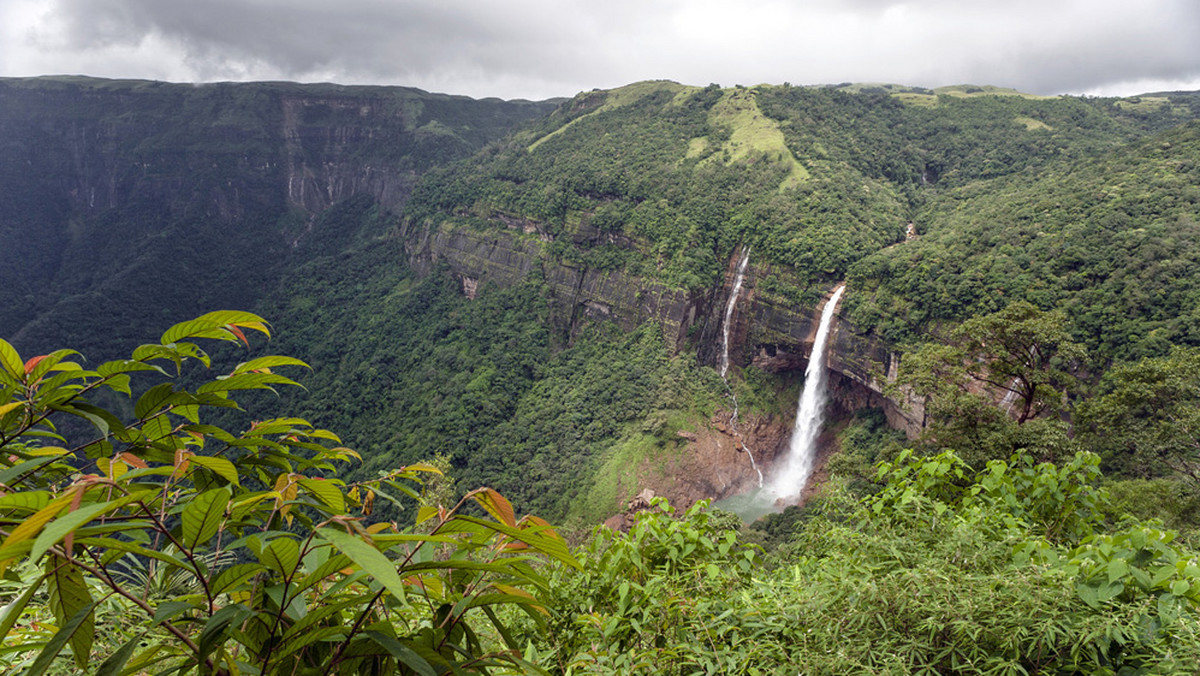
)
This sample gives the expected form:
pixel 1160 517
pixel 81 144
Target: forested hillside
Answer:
pixel 204 194
pixel 322 207
pixel 532 297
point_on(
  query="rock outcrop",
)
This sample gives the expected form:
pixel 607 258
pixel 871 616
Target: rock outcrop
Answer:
pixel 506 256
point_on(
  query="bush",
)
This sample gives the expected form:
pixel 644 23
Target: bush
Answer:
pixel 225 553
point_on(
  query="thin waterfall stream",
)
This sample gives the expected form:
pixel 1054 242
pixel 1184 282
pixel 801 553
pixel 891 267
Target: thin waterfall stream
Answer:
pixel 790 481
pixel 729 307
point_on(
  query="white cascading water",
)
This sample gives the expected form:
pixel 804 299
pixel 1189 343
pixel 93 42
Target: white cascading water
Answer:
pixel 729 305
pixel 733 298
pixel 1010 397
pixel 810 414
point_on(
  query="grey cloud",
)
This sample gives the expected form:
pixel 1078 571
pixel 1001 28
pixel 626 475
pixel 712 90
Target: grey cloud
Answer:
pixel 542 48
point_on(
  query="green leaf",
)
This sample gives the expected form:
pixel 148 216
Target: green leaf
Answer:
pixel 403 654
pixel 53 362
pixel 111 368
pixel 1109 591
pixel 368 558
pixel 31 525
pixel 10 360
pixel 214 634
pixel 246 381
pixel 212 325
pixel 120 383
pixel 1117 569
pixel 267 363
pixel 99 418
pixel 12 611
pixel 68 595
pixel 220 466
pixel 8 475
pixel 145 353
pixel 327 493
pixel 315 617
pixel 281 555
pixel 202 517
pixel 546 544
pixel 169 609
pixel 302 640
pixel 1089 594
pixel 30 501
pixel 228 579
pixel 59 528
pixel 153 399
pixel 79 624
pixel 116 661
pixel 10 406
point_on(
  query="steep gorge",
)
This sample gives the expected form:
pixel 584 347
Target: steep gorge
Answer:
pixel 203 192
pixel 127 206
pixel 766 332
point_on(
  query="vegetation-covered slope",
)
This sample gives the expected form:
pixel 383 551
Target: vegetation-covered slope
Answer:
pixel 1114 241
pixel 202 192
pixel 285 198
pixel 410 368
pixel 814 178
pixel 1048 227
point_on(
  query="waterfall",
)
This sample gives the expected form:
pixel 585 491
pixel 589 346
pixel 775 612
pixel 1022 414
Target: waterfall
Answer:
pixel 729 305
pixel 1010 397
pixel 810 414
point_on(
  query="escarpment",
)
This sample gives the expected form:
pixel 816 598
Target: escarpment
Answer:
pixel 767 331
pixel 108 185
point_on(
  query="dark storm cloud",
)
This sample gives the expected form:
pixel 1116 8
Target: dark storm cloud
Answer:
pixel 540 48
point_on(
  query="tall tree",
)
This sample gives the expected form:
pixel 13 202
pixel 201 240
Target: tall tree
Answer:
pixel 999 373
pixel 1147 419
pixel 1024 352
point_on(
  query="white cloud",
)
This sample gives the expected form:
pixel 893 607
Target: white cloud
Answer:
pixel 537 48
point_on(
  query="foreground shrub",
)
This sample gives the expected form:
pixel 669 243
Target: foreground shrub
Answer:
pixel 164 543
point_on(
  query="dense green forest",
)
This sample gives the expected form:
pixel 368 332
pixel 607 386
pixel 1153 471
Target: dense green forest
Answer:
pixel 173 545
pixel 205 193
pixel 1113 242
pixel 528 296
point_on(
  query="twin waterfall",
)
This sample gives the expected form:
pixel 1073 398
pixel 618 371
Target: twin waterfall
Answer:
pixel 791 479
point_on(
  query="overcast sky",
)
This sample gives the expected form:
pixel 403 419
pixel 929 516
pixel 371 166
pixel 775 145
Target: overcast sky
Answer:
pixel 540 49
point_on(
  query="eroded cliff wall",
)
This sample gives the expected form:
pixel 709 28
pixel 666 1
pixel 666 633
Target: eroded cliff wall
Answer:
pixel 767 330
pixel 200 192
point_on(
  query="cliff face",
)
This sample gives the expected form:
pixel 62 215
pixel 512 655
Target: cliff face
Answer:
pixel 765 330
pixel 202 192
pixel 504 257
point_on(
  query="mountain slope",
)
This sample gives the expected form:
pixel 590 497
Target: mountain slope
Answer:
pixel 110 188
pixel 1114 241
pixel 540 306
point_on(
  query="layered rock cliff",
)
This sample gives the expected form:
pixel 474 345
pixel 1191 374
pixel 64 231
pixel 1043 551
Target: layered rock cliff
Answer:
pixel 767 331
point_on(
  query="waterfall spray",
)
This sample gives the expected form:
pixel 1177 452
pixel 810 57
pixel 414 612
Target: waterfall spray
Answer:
pixel 729 305
pixel 810 414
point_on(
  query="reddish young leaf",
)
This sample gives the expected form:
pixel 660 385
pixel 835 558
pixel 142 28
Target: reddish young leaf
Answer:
pixel 33 362
pixel 133 460
pixel 496 505
pixel 233 328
